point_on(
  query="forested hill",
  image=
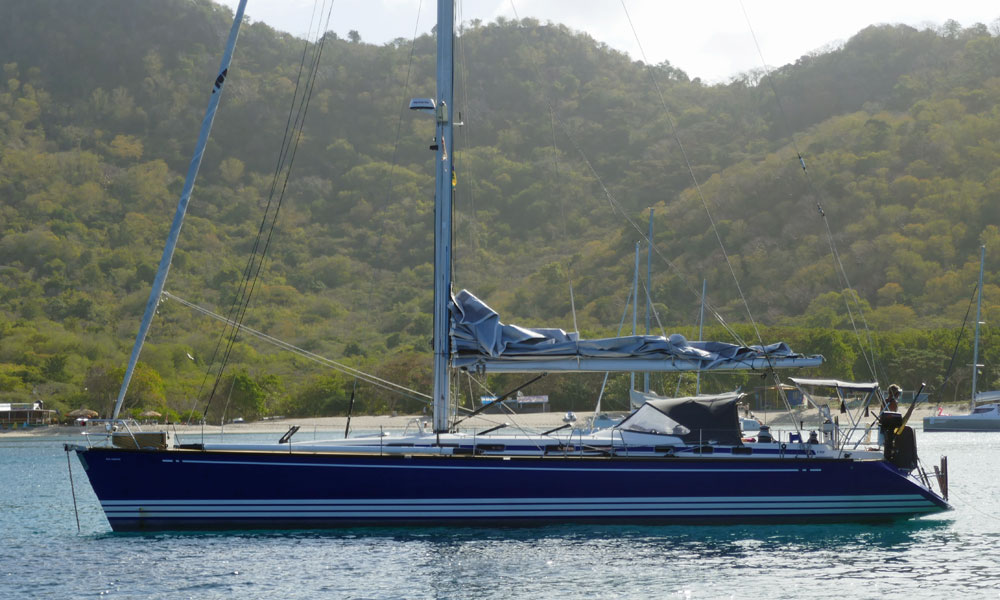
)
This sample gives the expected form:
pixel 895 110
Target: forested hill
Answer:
pixel 564 141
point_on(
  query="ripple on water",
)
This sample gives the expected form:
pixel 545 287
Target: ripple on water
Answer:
pixel 42 555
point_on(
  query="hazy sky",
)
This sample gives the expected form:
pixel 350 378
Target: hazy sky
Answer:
pixel 707 38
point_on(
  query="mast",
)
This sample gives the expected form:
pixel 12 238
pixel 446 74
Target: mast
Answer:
pixel 635 311
pixel 975 344
pixel 649 301
pixel 442 212
pixel 701 331
pixel 175 228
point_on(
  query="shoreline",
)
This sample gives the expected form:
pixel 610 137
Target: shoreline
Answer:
pixel 370 423
pixel 366 423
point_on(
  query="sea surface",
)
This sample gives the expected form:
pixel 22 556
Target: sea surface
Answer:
pixel 948 556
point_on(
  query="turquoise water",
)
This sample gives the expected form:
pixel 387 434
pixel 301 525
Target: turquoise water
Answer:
pixel 948 556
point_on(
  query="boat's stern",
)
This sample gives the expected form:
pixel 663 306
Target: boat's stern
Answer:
pixel 900 451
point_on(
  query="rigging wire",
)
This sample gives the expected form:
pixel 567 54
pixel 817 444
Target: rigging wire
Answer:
pixel 392 165
pixel 604 383
pixel 556 176
pixel 286 158
pixel 292 148
pixel 870 356
pixel 346 369
pixel 951 363
pixel 616 207
pixel 652 308
pixel 708 212
pixel 469 190
pixel 390 180
pixel 483 416
pixel 562 210
pixel 694 177
pixel 229 396
pixel 240 292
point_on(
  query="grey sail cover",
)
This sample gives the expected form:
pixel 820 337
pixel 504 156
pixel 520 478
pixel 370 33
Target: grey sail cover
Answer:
pixel 706 419
pixel 478 336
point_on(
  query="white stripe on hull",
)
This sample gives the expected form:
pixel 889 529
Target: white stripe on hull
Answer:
pixel 476 515
pixel 507 466
pixel 491 508
pixel 507 501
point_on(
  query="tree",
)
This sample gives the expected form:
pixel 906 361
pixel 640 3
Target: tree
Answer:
pixel 323 396
pixel 55 367
pixel 126 147
pixel 231 170
pixel 246 396
pixel 102 384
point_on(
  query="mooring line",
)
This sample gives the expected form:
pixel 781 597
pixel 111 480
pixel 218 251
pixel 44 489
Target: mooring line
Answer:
pixel 969 504
pixel 72 489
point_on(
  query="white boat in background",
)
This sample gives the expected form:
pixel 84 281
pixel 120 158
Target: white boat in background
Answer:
pixel 985 417
pixel 984 407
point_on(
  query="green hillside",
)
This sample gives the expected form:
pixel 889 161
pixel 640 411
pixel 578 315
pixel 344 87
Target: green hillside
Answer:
pixel 564 140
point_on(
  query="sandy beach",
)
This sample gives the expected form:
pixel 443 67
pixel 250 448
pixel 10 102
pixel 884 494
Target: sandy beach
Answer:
pixel 533 422
pixel 530 422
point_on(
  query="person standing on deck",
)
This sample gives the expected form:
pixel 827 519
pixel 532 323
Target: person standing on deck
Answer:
pixel 892 399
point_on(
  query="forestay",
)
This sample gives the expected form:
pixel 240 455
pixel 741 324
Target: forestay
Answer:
pixel 480 341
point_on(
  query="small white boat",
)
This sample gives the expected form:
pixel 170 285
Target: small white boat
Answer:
pixel 985 417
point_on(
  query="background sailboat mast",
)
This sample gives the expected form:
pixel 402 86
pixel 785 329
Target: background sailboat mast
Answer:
pixel 442 212
pixel 175 228
pixel 649 289
pixel 701 331
pixel 979 318
pixel 635 310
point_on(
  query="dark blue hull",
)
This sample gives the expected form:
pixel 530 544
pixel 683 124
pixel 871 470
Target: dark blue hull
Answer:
pixel 190 489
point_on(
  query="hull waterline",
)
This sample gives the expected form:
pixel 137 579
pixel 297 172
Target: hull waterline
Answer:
pixel 960 424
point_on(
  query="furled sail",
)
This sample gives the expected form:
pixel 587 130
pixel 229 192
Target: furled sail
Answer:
pixel 481 341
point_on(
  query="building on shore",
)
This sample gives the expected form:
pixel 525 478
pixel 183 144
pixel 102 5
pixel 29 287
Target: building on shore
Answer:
pixel 24 414
pixel 519 403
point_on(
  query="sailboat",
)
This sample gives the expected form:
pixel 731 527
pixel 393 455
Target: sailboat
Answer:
pixel 984 407
pixel 667 462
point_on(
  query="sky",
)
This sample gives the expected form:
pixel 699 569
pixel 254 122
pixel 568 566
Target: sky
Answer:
pixel 710 39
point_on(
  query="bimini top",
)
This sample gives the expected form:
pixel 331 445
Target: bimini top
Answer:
pixel 480 341
pixel 835 383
